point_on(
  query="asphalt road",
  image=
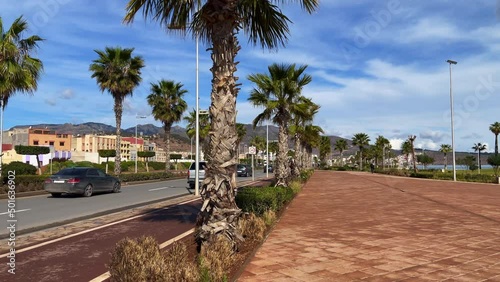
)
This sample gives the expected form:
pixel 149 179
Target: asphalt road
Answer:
pixel 38 212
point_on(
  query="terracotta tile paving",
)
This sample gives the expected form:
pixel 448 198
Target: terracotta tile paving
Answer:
pixel 352 226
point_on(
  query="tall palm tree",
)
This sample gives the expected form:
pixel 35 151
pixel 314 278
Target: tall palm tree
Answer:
pixel 495 129
pixel 217 23
pixel 306 109
pixel 361 140
pixel 312 134
pixel 168 107
pixel 406 149
pixel 278 93
pixel 19 70
pixel 445 149
pixel 325 148
pixel 381 143
pixel 341 145
pixel 117 72
pixel 479 147
pixel 204 122
pixel 411 139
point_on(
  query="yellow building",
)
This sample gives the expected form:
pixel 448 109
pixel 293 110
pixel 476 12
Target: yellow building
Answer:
pixel 92 143
pixel 46 137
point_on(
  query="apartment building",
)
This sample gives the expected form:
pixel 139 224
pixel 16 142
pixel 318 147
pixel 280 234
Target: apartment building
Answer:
pixel 47 137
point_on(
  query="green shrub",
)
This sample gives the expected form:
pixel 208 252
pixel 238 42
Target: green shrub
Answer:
pixel 156 165
pixel 217 256
pixel 85 164
pixel 26 183
pixel 20 168
pixel 141 176
pixel 258 200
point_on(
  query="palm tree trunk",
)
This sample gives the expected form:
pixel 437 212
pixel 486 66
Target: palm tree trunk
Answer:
pixel 341 158
pixel 360 159
pixel 118 116
pixel 166 139
pixel 219 213
pixel 496 144
pixel 479 158
pixel 445 162
pixel 281 160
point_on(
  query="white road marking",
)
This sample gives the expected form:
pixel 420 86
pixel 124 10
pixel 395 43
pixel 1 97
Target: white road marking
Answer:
pixel 161 188
pixel 17 211
pixel 88 230
pixel 107 275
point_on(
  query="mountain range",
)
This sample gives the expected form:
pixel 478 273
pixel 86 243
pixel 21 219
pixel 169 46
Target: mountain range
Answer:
pixel 180 137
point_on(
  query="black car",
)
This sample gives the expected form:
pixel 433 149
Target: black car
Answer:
pixel 244 170
pixel 81 180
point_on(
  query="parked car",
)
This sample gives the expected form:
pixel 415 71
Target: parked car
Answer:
pixel 244 170
pixel 192 171
pixel 271 168
pixel 81 180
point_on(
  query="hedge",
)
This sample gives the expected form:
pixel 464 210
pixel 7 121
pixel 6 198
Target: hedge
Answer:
pixel 258 200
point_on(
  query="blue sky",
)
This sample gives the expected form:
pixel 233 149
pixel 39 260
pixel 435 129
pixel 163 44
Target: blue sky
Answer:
pixel 378 67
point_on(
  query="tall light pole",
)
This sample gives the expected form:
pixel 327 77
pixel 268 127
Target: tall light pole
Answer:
pixel 136 147
pixel 1 135
pixel 197 146
pixel 450 62
pixel 267 150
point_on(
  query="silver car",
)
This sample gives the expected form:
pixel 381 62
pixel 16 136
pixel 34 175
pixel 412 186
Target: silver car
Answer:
pixel 81 180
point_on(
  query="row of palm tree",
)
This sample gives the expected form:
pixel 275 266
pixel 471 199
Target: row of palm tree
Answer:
pixel 218 23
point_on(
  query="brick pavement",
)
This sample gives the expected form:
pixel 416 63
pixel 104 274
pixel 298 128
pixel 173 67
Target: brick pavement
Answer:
pixel 352 226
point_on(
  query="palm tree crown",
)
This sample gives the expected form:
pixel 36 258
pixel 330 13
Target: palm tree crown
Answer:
pixel 117 72
pixel 168 107
pixel 19 71
pixel 445 149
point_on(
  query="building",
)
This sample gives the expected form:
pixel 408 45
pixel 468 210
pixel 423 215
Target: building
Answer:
pixel 47 137
pixel 92 143
pixel 136 145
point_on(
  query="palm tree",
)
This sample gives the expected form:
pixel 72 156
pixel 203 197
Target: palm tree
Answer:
pixel 495 129
pixel 19 70
pixel 278 93
pixel 411 139
pixel 445 149
pixel 325 148
pixel 361 140
pixel 341 145
pixel 381 143
pixel 168 107
pixel 204 121
pixel 218 22
pixel 306 109
pixel 241 131
pixel 312 140
pixel 478 147
pixel 406 149
pixel 117 72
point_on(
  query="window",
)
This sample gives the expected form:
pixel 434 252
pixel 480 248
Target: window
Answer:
pixel 51 143
pixel 92 172
pixel 35 142
pixel 61 143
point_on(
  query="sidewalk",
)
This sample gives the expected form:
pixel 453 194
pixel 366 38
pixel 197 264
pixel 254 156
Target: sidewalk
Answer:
pixel 351 226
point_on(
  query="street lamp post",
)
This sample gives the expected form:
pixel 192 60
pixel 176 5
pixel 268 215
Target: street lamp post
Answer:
pixel 1 135
pixel 267 150
pixel 197 146
pixel 450 62
pixel 136 148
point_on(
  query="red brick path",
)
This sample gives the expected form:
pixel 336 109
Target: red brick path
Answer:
pixel 349 226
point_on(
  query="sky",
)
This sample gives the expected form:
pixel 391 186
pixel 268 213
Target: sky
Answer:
pixel 378 67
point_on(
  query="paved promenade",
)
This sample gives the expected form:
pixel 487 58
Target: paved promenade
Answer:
pixel 350 226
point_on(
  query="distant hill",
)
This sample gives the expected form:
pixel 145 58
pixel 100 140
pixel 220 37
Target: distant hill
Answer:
pixel 182 142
